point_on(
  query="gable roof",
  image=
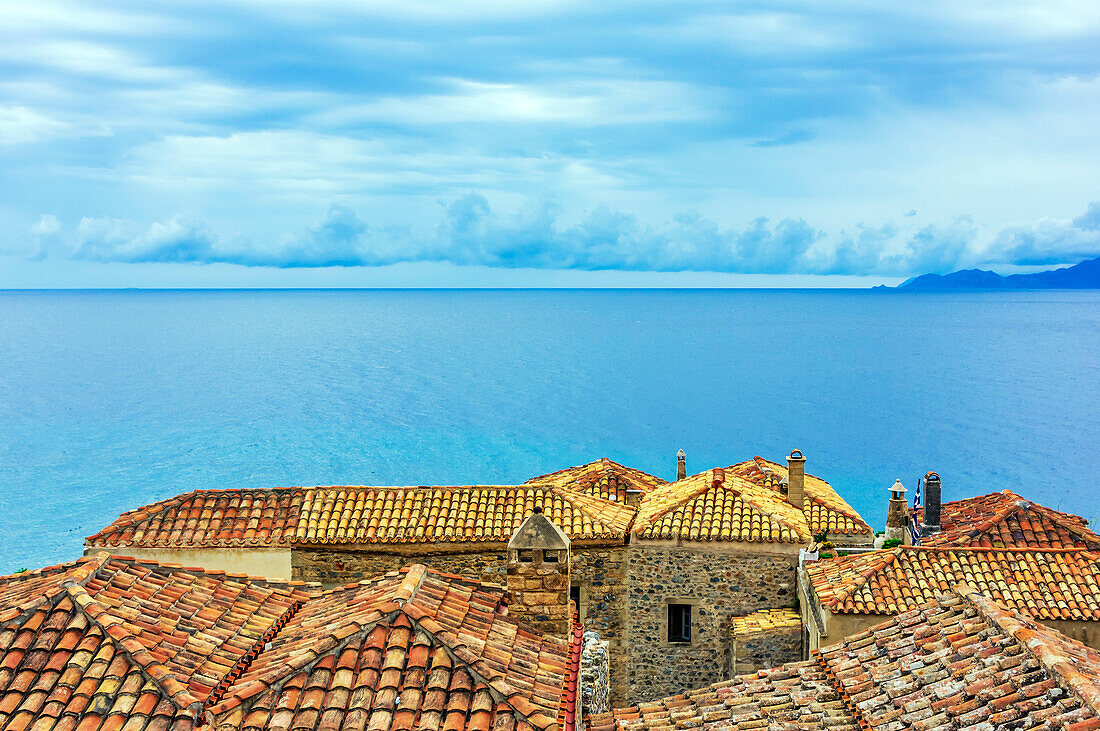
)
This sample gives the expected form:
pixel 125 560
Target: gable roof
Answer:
pixel 1006 520
pixel 111 637
pixel 1047 584
pixel 958 663
pixel 115 642
pixel 603 478
pixel 744 503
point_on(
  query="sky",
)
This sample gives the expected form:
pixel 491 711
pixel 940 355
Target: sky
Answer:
pixel 544 143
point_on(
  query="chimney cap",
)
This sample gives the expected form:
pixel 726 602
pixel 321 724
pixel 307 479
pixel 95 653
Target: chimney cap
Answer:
pixel 897 487
pixel 932 476
pixel 681 455
pixel 796 454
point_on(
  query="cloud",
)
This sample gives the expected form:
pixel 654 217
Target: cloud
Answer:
pixel 470 232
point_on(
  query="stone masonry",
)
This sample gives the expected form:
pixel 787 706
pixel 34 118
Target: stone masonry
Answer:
pixel 765 639
pixel 717 585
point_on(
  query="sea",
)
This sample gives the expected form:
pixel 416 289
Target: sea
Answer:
pixel 113 399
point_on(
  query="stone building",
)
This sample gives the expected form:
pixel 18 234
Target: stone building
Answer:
pixel 1034 560
pixel 657 569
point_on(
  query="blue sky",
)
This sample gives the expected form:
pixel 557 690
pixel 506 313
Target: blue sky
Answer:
pixel 405 143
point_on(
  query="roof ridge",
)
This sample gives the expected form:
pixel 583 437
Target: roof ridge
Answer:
pixel 128 518
pixel 706 485
pixel 75 573
pixel 998 549
pixel 452 644
pixel 1056 663
pixel 585 503
pixel 751 500
pixel 178 693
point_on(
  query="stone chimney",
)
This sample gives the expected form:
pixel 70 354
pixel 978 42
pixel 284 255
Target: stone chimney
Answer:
pixel 796 479
pixel 538 576
pixel 931 505
pixel 681 465
pixel 897 514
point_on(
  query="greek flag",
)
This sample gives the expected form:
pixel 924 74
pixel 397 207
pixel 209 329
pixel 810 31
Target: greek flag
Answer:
pixel 914 529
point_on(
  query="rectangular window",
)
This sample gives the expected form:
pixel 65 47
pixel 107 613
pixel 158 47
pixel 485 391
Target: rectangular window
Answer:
pixel 549 556
pixel 679 623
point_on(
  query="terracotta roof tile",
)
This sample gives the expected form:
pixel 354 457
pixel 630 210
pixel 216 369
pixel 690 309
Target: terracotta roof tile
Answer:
pixel 1047 584
pixel 1006 520
pixel 208 518
pixel 114 643
pixel 719 505
pixel 603 479
pixel 825 510
pixel 393 515
pixel 765 620
pixel 365 515
pixel 744 503
pixel 414 649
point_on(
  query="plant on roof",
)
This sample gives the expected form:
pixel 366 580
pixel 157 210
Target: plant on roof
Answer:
pixel 22 571
pixel 891 543
pixel 822 536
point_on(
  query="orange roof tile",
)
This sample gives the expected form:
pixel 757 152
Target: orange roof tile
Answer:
pixel 1048 584
pixel 1006 520
pixel 959 663
pixel 825 510
pixel 147 646
pixel 744 503
pixel 368 515
pixel 603 479
pixel 452 514
pixel 222 518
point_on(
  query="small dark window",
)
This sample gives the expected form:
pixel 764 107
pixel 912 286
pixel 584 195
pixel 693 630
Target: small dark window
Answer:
pixel 549 556
pixel 679 623
pixel 575 594
pixel 526 555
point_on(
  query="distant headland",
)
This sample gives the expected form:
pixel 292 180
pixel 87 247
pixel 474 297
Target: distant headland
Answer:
pixel 1085 275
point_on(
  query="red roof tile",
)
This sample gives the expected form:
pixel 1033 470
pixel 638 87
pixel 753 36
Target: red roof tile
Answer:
pixel 209 518
pixel 1006 520
pixel 144 646
pixel 1048 584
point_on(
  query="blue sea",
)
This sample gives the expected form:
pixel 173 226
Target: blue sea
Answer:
pixel 113 399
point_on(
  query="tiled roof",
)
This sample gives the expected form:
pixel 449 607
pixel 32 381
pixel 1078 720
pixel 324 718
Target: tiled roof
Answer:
pixel 1006 520
pixel 114 643
pixel 765 620
pixel 825 510
pixel 108 642
pixel 603 479
pixel 794 697
pixel 415 649
pixel 389 515
pixel 744 503
pixel 959 663
pixel 717 505
pixel 452 514
pixel 1047 584
pixel 208 518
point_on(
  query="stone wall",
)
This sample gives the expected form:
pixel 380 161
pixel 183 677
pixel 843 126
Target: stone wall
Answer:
pixel 718 582
pixel 336 567
pixel 595 676
pixel 764 639
pixel 538 593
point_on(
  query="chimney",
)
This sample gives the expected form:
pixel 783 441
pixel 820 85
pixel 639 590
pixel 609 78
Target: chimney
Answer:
pixel 796 479
pixel 538 576
pixel 681 465
pixel 897 514
pixel 931 505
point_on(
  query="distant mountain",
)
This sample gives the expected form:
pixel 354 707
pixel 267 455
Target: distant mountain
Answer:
pixel 1085 275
